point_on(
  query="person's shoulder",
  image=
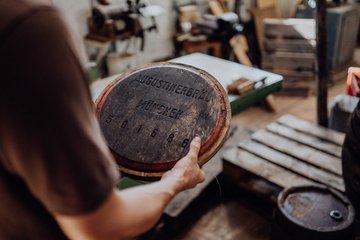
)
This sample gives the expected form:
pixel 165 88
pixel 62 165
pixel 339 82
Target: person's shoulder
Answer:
pixel 14 11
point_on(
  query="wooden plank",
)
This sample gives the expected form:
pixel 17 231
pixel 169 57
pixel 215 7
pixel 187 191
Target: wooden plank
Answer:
pixel 288 59
pixel 275 68
pixel 290 28
pixel 306 139
pixel 293 164
pixel 300 151
pixel 264 169
pixel 289 45
pixel 223 222
pixel 301 74
pixel 312 129
pixel 294 91
pixel 309 81
pixel 289 83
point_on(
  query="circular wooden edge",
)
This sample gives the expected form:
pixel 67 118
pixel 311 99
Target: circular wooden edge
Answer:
pixel 208 149
pixel 132 172
pixel 320 188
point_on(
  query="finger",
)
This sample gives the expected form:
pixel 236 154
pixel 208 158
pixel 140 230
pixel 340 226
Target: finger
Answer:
pixel 202 176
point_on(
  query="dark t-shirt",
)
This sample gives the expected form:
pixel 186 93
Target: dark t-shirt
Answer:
pixel 351 159
pixel 53 158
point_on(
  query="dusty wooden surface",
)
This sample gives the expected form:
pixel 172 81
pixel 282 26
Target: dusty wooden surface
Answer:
pixel 289 157
pixel 264 169
pixel 291 163
pixel 226 222
pixel 305 139
pixel 307 127
pixel 298 150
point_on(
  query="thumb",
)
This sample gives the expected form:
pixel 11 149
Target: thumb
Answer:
pixel 194 148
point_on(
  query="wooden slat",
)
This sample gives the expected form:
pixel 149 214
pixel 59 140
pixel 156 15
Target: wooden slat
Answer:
pixel 293 164
pixel 292 60
pixel 307 127
pixel 294 91
pixel 290 28
pixel 300 151
pixel 264 169
pixel 289 45
pixel 306 139
pixel 301 74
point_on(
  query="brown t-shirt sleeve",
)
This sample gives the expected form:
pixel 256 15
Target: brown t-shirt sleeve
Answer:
pixel 49 132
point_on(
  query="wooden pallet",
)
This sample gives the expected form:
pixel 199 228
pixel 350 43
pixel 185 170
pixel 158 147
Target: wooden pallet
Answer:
pixel 289 45
pixel 290 28
pixel 289 60
pixel 289 152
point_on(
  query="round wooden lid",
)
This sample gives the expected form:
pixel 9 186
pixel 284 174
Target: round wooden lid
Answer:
pixel 315 208
pixel 150 115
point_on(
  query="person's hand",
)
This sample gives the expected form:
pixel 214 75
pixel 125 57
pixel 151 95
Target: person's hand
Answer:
pixel 186 173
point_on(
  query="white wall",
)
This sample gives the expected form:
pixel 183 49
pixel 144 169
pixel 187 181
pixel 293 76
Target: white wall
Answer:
pixel 76 12
pixel 157 45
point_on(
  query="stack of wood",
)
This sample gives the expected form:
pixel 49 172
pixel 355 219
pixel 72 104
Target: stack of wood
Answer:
pixel 289 50
pixel 288 152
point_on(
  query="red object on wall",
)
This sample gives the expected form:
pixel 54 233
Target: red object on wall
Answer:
pixel 352 81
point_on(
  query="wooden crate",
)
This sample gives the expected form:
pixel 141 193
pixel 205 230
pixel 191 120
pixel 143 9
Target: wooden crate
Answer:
pixel 289 152
pixel 289 60
pixel 289 50
pixel 289 45
pixel 291 28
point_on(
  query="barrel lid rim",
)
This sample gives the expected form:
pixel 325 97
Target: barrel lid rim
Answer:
pixel 346 223
pixel 222 135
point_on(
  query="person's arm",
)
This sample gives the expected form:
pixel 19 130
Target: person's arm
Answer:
pixel 51 141
pixel 130 212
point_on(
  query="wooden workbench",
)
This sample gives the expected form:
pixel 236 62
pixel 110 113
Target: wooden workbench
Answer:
pixel 227 72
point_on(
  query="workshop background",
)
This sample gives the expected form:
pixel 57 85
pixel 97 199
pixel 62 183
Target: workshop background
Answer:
pixel 291 72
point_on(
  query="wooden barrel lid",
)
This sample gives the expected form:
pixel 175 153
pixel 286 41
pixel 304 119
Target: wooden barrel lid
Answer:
pixel 314 212
pixel 150 115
